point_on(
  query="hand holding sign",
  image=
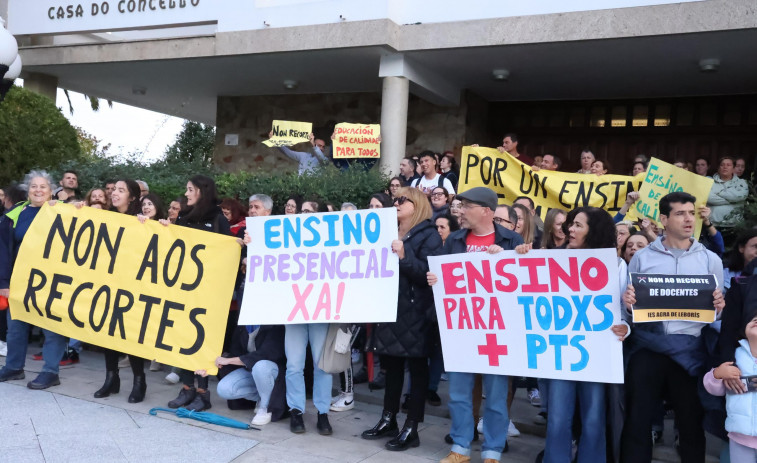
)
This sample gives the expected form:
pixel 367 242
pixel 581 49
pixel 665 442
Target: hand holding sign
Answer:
pixel 143 289
pixel 550 314
pixel 659 297
pixel 288 133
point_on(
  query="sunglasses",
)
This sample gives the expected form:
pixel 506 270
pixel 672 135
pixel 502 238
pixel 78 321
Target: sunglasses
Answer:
pixel 402 199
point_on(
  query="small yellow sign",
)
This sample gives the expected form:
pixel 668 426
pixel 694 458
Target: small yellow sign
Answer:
pixel 357 141
pixel 288 133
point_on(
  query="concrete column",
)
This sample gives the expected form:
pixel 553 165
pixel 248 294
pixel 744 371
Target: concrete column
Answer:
pixel 41 83
pixel 394 98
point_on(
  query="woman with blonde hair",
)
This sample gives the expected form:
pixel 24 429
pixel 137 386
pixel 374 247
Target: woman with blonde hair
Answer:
pixel 525 226
pixel 407 339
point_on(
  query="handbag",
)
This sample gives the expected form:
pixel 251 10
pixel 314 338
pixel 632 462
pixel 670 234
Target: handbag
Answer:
pixel 336 356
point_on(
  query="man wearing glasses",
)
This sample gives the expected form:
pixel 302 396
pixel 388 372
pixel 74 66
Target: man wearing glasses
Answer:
pixel 480 234
pixel 506 216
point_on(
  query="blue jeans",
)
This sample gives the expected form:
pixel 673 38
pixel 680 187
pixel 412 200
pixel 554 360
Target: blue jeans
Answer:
pixel 18 342
pixel 495 413
pixel 256 385
pixel 562 405
pixel 544 393
pixel 295 343
pixel 76 345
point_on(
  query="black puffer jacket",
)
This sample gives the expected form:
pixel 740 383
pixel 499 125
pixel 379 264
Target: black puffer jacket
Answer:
pixel 408 336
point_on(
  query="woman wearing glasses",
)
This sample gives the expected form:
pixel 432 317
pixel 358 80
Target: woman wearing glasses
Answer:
pixel 406 340
pixel 439 198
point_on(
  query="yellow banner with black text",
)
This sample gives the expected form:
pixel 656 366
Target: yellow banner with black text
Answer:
pixel 148 290
pixel 510 178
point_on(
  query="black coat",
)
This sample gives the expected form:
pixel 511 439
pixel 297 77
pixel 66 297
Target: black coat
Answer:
pixel 269 345
pixel 409 336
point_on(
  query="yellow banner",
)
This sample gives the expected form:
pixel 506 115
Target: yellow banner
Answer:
pixel 288 133
pixel 357 141
pixel 510 178
pixel 662 178
pixel 143 289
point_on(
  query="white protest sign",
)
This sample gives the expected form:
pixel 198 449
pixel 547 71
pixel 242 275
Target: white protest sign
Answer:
pixel 335 267
pixel 544 314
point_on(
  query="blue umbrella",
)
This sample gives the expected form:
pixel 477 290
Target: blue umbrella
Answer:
pixel 207 417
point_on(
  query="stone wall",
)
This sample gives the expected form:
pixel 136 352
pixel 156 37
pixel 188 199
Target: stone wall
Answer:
pixel 429 126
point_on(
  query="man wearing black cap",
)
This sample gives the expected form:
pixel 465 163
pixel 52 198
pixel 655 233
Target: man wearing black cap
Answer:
pixel 479 234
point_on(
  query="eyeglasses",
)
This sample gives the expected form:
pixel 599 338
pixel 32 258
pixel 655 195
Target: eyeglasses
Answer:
pixel 394 185
pixel 500 221
pixel 290 206
pixel 468 206
pixel 402 199
pixel 438 195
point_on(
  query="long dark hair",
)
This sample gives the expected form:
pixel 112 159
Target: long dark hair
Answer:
pixel 601 227
pixel 135 205
pixel 160 209
pixel 735 259
pixel 207 201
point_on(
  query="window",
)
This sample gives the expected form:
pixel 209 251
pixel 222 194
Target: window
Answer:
pixel 597 116
pixel 577 117
pixel 662 115
pixel 640 116
pixel 619 116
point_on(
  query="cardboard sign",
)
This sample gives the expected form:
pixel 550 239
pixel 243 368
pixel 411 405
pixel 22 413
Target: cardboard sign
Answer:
pixel 544 314
pixel 321 268
pixel 510 178
pixel 143 289
pixel 357 141
pixel 662 178
pixel 673 297
pixel 288 133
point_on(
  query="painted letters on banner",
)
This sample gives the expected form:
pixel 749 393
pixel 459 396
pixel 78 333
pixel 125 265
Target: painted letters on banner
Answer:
pixel 143 289
pixel 510 178
pixel 357 141
pixel 334 267
pixel 673 297
pixel 662 178
pixel 288 133
pixel 544 314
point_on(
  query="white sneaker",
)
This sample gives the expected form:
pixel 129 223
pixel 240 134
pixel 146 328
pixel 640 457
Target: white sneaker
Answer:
pixel 344 402
pixel 480 426
pixel 3 349
pixel 263 416
pixel 534 397
pixel 172 378
pixel 512 431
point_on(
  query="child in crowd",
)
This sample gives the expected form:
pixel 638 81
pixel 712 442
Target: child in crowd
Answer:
pixel 741 400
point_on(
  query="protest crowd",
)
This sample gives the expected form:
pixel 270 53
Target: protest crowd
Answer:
pixel 691 369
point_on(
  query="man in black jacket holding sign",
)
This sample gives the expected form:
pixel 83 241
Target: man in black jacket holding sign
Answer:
pixel 480 234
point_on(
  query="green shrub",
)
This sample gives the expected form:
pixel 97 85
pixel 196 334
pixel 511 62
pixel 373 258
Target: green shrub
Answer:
pixel 33 135
pixel 328 183
pixel 168 180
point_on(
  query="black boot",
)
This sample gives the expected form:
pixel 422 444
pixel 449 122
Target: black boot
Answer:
pixel 138 390
pixel 323 425
pixel 111 386
pixel 408 437
pixel 186 395
pixel 386 427
pixel 201 402
pixel 296 424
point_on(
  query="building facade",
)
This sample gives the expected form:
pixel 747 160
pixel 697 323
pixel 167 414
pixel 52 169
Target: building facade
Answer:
pixel 623 77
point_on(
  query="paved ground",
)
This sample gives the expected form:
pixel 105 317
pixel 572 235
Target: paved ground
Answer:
pixel 66 424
